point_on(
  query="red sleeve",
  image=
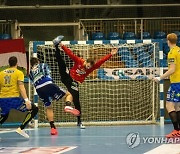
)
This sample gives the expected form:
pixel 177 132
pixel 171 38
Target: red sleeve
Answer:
pixel 70 53
pixel 99 63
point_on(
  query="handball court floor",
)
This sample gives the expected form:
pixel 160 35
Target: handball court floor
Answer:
pixel 92 140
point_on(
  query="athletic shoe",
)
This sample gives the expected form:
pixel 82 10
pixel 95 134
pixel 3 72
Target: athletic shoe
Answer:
pixel 54 131
pixel 174 133
pixel 57 40
pixel 22 133
pixel 81 126
pixel 71 110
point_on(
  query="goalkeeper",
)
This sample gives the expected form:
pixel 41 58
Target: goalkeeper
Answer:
pixel 11 85
pixel 81 69
pixel 48 91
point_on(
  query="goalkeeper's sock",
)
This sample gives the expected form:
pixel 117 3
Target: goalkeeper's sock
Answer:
pixel 52 124
pixel 178 118
pixel 79 120
pixel 173 117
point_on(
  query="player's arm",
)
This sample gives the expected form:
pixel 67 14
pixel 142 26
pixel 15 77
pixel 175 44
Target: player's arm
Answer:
pixel 69 53
pixel 171 69
pixel 102 60
pixel 23 90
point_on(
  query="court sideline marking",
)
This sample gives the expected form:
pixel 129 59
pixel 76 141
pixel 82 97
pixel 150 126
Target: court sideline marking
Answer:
pixel 165 149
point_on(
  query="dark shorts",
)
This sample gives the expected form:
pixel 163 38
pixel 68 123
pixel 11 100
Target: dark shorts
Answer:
pixel 173 94
pixel 6 104
pixel 49 93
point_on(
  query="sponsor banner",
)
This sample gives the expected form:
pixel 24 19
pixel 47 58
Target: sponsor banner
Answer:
pixel 132 73
pixel 36 150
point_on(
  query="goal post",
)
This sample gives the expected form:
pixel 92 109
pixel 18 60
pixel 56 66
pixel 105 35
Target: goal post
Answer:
pixel 119 92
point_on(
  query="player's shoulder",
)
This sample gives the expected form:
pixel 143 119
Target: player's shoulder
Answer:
pixel 175 49
pixel 19 72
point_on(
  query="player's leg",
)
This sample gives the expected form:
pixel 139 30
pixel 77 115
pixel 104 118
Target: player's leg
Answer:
pixel 177 102
pixel 170 106
pixel 68 108
pixel 61 63
pixel 74 90
pixel 29 116
pixel 3 118
pixel 4 109
pixel 177 108
pixel 46 97
pixel 50 116
pixel 17 103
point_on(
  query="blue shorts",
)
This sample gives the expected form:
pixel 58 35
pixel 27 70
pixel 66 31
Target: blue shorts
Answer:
pixel 49 93
pixel 6 104
pixel 173 94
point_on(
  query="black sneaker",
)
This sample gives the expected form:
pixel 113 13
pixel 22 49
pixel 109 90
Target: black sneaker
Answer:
pixel 81 126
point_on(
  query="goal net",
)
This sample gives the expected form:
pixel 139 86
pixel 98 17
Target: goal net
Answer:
pixel 120 91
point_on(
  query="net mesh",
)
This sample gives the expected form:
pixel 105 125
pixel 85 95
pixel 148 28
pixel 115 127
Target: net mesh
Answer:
pixel 119 91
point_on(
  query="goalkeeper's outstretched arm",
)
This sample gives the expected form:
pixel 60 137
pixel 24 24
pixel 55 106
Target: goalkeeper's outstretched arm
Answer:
pixel 102 60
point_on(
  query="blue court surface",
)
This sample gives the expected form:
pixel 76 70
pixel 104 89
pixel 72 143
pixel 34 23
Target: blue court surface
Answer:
pixel 128 139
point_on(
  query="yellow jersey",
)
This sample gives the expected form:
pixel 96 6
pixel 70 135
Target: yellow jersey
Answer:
pixel 9 82
pixel 174 57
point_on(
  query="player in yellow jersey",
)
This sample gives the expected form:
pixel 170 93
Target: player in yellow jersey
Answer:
pixel 11 86
pixel 173 94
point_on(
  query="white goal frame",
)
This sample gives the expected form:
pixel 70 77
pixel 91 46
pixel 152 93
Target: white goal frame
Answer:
pixel 33 52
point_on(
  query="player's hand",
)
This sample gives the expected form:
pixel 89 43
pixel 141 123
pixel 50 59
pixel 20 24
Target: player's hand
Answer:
pixel 28 105
pixel 114 51
pixel 156 79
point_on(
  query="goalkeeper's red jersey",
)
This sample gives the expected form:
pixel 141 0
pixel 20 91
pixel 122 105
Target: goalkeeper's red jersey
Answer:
pixel 78 71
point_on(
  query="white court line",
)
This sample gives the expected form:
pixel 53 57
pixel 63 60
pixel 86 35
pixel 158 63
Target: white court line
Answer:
pixel 166 149
pixel 66 150
pixel 12 130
